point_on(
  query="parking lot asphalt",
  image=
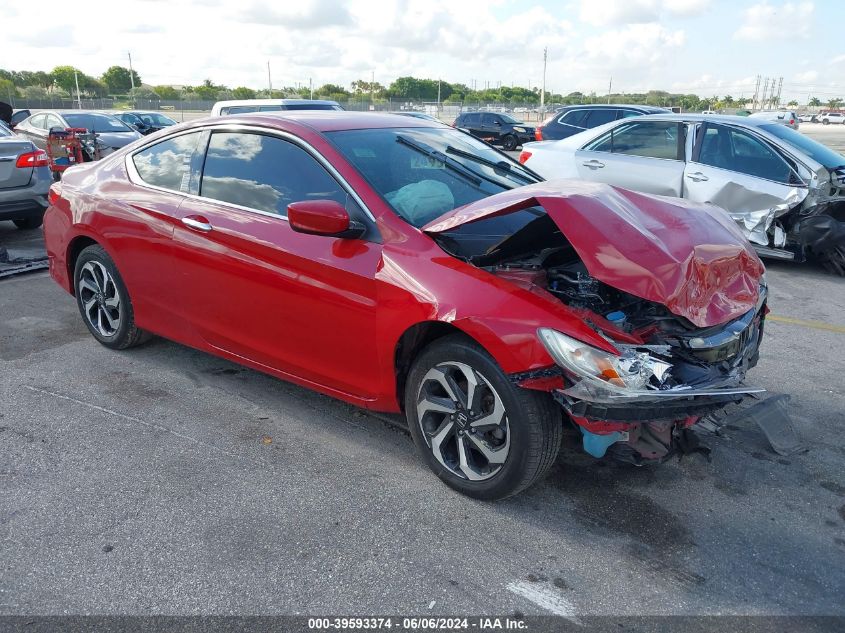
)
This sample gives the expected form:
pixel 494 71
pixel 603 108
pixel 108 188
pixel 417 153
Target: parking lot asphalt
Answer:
pixel 164 480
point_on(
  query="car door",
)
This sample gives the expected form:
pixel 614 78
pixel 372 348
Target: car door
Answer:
pixel 742 173
pixel 162 175
pixel 491 127
pixel 299 304
pixel 641 155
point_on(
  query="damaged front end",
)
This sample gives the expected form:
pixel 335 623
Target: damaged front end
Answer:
pixel 677 301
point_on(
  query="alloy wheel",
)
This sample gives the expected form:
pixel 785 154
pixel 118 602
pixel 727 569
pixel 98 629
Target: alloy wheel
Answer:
pixel 463 421
pixel 100 298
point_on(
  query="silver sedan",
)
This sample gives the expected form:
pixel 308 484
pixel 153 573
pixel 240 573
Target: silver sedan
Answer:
pixel 785 190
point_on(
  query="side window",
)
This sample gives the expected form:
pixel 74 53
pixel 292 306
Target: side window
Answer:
pixel 650 139
pixel 53 121
pixel 575 118
pixel 39 121
pixel 264 173
pixel 270 108
pixel 600 116
pixel 241 109
pixel 489 120
pixel 735 150
pixel 168 164
pixel 472 119
pixel 626 114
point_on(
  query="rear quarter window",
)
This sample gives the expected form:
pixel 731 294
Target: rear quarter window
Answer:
pixel 168 164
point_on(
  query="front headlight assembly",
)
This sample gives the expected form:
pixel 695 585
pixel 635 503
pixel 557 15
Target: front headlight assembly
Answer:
pixel 596 372
pixel 600 377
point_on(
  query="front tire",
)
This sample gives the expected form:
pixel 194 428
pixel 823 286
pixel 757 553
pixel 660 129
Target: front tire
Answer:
pixel 480 433
pixel 104 302
pixel 509 143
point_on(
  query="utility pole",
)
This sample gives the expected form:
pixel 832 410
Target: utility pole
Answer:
pixel 780 86
pixel 373 88
pixel 765 89
pixel 609 88
pixel 756 93
pixel 78 97
pixel 543 89
pixel 269 82
pixel 131 72
pixel 311 87
pixel 438 95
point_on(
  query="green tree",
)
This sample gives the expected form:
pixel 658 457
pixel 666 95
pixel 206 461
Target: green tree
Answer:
pixel 834 104
pixel 793 104
pixel 7 90
pixel 242 92
pixel 119 80
pixel 34 92
pixel 142 92
pixel 168 93
pixel 63 77
pixel 815 102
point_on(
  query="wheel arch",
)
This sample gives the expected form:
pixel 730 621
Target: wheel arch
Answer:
pixel 412 342
pixel 74 248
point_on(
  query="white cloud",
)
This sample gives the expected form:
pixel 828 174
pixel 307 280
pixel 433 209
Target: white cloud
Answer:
pixel 303 14
pixel 634 46
pixel 767 22
pixel 618 12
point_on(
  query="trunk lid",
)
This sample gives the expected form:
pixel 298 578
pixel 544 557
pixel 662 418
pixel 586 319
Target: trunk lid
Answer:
pixel 11 176
pixel 691 258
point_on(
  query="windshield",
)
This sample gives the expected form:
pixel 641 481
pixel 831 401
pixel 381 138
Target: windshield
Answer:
pixel 813 149
pixel 156 119
pixel 424 172
pixel 95 122
pixel 509 119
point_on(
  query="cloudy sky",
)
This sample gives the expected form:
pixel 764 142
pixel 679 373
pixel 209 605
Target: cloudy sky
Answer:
pixel 703 46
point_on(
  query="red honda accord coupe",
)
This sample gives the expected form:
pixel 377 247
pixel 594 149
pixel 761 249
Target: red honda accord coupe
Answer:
pixel 404 266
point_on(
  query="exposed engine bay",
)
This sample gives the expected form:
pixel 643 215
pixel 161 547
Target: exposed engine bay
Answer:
pixel 670 372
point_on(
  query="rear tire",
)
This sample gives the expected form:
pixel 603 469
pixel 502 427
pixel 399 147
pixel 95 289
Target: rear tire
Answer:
pixel 509 143
pixel 833 260
pixel 104 302
pixel 29 223
pixel 493 439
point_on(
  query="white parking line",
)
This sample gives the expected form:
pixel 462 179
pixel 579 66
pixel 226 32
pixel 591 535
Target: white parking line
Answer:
pixel 545 598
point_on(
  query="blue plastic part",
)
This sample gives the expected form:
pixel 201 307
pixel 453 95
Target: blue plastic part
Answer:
pixel 617 318
pixel 597 445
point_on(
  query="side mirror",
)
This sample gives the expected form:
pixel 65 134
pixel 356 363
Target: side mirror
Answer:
pixel 323 217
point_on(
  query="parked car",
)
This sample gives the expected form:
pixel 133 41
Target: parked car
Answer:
pixel 420 115
pixel 832 117
pixel 808 118
pixel 496 128
pixel 785 190
pixel 403 266
pixel 145 122
pixel 18 116
pixel 112 133
pixel 574 119
pixel 246 106
pixel 784 117
pixel 24 180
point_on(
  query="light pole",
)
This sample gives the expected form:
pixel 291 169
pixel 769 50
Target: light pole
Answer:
pixel 543 90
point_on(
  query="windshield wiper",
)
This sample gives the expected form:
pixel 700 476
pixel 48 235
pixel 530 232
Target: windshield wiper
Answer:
pixel 452 164
pixel 528 176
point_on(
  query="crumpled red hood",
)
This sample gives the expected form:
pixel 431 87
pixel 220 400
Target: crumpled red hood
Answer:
pixel 691 258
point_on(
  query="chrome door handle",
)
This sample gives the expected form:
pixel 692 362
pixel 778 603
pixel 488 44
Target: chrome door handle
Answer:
pixel 697 177
pixel 196 224
pixel 593 164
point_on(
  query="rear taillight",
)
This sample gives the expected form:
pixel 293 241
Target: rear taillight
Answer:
pixel 792 121
pixel 524 156
pixel 37 158
pixel 538 134
pixel 55 192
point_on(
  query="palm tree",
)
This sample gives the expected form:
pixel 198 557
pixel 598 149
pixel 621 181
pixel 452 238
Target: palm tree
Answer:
pixel 793 104
pixel 814 102
pixel 834 104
